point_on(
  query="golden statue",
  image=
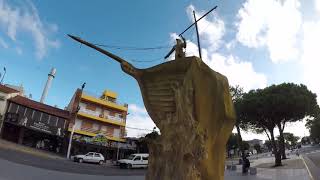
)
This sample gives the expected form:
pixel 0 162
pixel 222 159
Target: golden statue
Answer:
pixel 191 105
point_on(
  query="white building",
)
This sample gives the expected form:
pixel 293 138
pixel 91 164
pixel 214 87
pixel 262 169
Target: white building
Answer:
pixel 6 92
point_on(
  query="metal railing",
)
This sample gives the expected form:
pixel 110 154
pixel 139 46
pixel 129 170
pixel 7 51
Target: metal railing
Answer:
pixel 105 133
pixel 97 114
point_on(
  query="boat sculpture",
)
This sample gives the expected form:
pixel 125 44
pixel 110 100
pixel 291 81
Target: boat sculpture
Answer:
pixel 191 105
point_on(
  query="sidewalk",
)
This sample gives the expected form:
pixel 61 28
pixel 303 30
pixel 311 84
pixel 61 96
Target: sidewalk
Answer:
pixel 293 170
pixel 29 150
pixel 269 174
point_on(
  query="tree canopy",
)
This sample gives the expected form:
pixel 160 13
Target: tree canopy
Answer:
pixel 290 139
pixel 274 106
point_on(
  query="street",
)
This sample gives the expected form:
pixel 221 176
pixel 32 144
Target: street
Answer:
pixel 11 159
pixel 315 158
pixel 14 171
pixel 15 165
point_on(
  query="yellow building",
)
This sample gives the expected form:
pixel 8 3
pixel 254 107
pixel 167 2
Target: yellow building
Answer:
pixel 98 116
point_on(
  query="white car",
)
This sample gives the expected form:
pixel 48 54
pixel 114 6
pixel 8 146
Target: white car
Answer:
pixel 134 161
pixel 91 157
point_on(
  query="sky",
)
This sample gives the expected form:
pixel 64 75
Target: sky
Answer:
pixel 253 43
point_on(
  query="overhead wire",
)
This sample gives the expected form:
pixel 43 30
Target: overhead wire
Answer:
pixel 141 129
pixel 133 47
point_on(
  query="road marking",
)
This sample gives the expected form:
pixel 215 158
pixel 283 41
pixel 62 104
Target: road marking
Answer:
pixel 307 168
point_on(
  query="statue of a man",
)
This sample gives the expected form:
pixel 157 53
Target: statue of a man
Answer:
pixel 179 48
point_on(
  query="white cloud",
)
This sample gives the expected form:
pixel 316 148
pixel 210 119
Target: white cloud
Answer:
pixel 237 71
pixel 3 44
pixel 211 31
pixel 274 24
pixel 26 19
pixel 310 53
pixel 19 50
pixel 317 5
pixel 139 122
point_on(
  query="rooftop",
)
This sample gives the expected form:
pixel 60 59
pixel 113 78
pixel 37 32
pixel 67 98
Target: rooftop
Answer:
pixel 7 89
pixel 105 100
pixel 40 106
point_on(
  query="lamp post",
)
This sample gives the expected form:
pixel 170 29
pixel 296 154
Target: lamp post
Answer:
pixel 5 71
pixel 72 132
pixel 74 124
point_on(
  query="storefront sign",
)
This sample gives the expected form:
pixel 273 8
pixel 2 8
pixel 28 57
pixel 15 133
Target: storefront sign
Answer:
pixel 42 126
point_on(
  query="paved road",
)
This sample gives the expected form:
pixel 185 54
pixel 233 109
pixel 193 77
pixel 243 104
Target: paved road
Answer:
pixel 14 171
pixel 67 166
pixel 17 165
pixel 315 158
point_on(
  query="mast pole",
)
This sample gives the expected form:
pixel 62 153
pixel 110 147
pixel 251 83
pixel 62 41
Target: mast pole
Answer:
pixel 198 39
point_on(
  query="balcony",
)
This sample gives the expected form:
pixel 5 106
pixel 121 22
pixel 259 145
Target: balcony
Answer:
pixel 93 132
pixel 93 113
pixel 96 116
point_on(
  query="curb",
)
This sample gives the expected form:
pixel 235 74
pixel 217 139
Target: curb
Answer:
pixel 34 153
pixel 12 147
pixel 312 169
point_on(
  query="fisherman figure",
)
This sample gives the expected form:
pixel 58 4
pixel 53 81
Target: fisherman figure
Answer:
pixel 179 48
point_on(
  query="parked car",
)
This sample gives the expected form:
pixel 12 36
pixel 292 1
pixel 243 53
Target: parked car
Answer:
pixel 134 161
pixel 91 157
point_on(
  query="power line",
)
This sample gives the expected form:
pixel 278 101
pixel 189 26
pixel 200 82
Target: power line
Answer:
pixel 146 61
pixel 139 129
pixel 198 20
pixel 133 47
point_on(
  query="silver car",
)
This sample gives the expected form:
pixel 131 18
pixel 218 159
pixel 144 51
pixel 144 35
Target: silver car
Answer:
pixel 91 157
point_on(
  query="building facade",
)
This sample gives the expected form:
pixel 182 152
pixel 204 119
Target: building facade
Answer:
pixel 6 93
pixel 97 116
pixel 35 124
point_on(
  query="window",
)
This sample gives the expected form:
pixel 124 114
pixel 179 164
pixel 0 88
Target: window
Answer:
pixel 60 122
pixel 138 158
pixel 36 116
pixel 91 107
pixel 103 128
pixel 131 157
pixel 89 154
pixel 145 158
pixel 29 113
pixel 13 108
pixel 97 155
pixel 53 120
pixel 21 110
pixel 44 118
pixel 112 113
pixel 95 126
pixel 86 125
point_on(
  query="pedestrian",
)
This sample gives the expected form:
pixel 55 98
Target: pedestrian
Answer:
pixel 245 165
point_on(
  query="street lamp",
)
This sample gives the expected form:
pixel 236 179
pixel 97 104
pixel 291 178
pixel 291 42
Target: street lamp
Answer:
pixel 5 71
pixel 74 124
pixel 72 132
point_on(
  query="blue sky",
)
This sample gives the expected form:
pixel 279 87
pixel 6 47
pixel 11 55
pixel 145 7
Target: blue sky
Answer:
pixel 253 44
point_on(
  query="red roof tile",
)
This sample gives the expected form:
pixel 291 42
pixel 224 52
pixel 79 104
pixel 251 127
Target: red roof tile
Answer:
pixel 7 89
pixel 40 106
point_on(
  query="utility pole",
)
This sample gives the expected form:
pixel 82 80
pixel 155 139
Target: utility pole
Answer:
pixel 198 39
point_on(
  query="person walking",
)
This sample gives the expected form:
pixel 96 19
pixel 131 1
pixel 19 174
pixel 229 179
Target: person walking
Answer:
pixel 245 165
